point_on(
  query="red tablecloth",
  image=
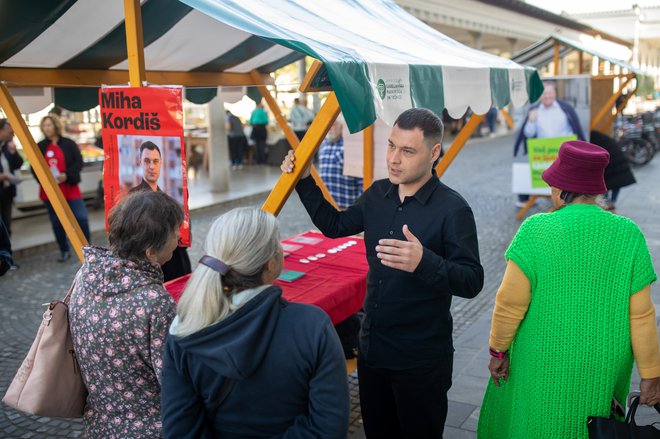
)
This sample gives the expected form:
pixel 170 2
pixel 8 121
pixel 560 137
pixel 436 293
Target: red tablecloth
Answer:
pixel 335 283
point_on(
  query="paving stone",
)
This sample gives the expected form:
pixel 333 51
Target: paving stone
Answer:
pixel 458 413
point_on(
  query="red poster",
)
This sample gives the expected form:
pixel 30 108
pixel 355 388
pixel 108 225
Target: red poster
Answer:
pixel 144 146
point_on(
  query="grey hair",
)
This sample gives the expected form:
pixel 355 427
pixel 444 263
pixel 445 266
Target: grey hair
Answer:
pixel 245 239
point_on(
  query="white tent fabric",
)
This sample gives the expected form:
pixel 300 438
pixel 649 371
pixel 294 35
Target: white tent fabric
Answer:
pixel 380 59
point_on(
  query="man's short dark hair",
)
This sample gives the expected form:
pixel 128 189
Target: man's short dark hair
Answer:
pixel 3 123
pixel 424 119
pixel 151 146
pixel 143 220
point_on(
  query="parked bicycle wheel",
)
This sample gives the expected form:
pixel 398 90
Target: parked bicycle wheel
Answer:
pixel 638 151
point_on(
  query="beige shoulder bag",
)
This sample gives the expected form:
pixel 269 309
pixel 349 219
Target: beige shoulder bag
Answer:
pixel 49 383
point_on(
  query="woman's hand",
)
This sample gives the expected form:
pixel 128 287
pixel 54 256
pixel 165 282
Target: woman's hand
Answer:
pixel 649 391
pixel 61 178
pixel 499 368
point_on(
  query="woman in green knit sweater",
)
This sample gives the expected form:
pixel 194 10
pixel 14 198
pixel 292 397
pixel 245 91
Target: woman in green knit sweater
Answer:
pixel 573 310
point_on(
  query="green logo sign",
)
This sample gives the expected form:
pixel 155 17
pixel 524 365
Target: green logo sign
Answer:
pixel 381 89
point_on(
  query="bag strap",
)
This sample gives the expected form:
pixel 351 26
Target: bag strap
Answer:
pixel 223 393
pixel 67 298
pixel 630 417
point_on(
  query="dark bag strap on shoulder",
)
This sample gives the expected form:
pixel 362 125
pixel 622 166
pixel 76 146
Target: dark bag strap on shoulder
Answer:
pixel 223 393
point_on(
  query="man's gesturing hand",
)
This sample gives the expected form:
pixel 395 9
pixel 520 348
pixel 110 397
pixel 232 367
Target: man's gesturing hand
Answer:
pixel 402 255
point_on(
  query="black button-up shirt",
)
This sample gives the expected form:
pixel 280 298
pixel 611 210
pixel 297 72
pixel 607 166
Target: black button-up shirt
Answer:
pixel 407 319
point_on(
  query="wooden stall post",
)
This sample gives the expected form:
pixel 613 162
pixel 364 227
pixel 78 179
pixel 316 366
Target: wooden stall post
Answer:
pixel 368 157
pixel 556 59
pixel 134 42
pixel 40 167
pixel 608 105
pixel 289 134
pixel 304 153
pixel 459 142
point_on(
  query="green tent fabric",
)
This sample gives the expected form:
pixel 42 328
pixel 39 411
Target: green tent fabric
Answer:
pixel 76 99
pixel 389 63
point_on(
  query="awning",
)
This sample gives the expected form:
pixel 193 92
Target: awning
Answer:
pixel 90 34
pixel 380 60
pixel 542 53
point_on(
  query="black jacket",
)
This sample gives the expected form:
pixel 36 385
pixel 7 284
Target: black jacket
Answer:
pixel 617 173
pixel 286 366
pixel 15 162
pixel 72 158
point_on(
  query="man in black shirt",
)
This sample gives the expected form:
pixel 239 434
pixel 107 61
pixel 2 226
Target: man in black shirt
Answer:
pixel 422 249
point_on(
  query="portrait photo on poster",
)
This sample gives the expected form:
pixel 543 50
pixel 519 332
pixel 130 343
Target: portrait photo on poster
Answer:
pixel 152 161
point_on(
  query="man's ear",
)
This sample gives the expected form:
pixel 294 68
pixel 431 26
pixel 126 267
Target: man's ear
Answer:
pixel 436 152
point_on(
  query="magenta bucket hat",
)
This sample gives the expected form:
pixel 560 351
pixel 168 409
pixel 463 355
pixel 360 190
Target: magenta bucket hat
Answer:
pixel 579 168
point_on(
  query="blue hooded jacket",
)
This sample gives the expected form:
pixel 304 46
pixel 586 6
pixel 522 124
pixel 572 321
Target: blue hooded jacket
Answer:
pixel 287 371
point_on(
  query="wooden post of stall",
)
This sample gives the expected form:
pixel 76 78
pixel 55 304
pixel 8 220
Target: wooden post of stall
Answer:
pixel 608 105
pixel 556 59
pixel 368 157
pixel 134 42
pixel 460 140
pixel 507 118
pixel 304 154
pixel 580 62
pixel 41 170
pixel 288 132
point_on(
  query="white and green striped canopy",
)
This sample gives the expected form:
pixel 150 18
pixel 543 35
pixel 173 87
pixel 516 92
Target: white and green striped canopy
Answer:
pixel 379 59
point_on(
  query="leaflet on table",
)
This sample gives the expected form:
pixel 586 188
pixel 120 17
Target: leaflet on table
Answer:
pixel 290 275
pixel 306 240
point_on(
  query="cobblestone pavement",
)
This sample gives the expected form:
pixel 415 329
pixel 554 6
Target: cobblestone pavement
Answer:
pixel 481 173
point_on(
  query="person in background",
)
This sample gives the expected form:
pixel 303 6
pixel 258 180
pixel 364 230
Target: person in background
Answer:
pixel 422 249
pixel 618 173
pixel 119 315
pixel 345 190
pixel 236 140
pixel 573 310
pixel 10 162
pixel 65 162
pixel 259 122
pixel 6 260
pixel 150 160
pixel 491 120
pixel 300 118
pixel 550 118
pixel 240 360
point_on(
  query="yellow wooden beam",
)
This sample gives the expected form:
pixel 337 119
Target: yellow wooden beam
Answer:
pixel 610 118
pixel 614 76
pixel 304 154
pixel 289 134
pixel 368 157
pixel 507 118
pixel 556 59
pixel 607 107
pixel 18 77
pixel 459 142
pixel 580 62
pixel 134 42
pixel 306 86
pixel 42 172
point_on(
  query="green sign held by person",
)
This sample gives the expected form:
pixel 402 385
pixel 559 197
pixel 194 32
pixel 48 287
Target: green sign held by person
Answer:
pixel 542 152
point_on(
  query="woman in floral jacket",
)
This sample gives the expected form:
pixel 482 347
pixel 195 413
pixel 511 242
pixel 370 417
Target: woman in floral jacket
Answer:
pixel 119 316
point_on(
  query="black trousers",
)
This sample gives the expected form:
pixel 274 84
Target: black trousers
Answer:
pixel 410 403
pixel 6 201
